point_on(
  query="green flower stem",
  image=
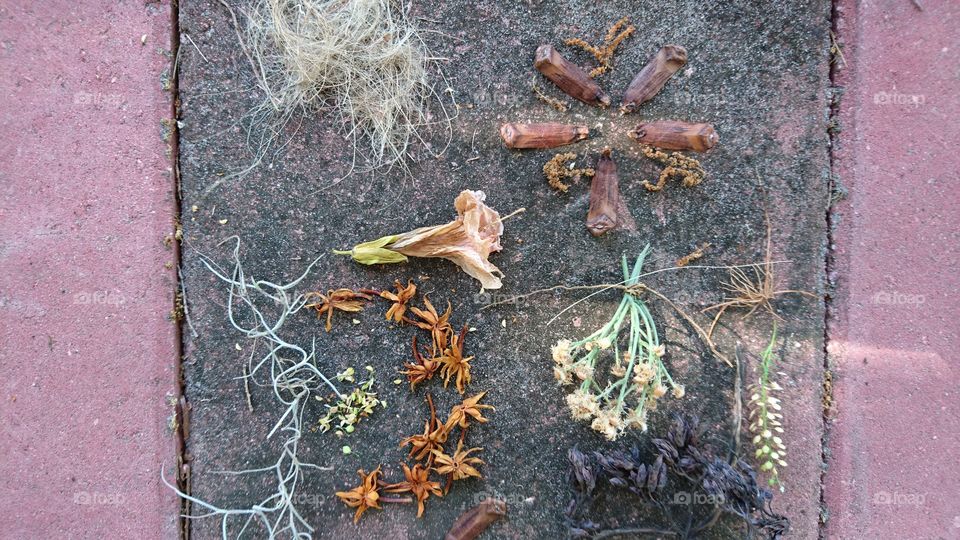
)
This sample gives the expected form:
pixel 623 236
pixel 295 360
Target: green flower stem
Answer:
pixel 634 345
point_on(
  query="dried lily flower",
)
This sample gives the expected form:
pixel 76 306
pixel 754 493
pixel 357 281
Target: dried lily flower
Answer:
pixel 399 299
pixel 471 407
pixel 346 300
pixel 418 483
pixel 460 465
pixel 467 241
pixel 363 496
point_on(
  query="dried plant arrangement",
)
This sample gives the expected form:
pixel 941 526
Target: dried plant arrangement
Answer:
pixel 467 241
pixel 439 455
pixel 766 418
pixel 686 484
pixel 653 137
pixel 756 291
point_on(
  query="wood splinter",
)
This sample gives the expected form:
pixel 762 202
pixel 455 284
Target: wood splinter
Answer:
pixel 676 135
pixel 604 196
pixel 549 135
pixel 653 76
pixel 569 77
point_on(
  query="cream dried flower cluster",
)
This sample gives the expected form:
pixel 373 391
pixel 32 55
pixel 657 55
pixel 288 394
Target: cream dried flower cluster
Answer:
pixel 616 387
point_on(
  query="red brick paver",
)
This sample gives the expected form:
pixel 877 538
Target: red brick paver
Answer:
pixel 87 351
pixel 894 336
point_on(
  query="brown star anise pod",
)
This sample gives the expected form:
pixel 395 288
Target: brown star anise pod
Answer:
pixel 346 300
pixel 399 299
pixel 470 408
pixel 431 321
pixel 418 483
pixel 460 465
pixel 422 368
pixel 363 496
pixel 433 436
pixel 452 362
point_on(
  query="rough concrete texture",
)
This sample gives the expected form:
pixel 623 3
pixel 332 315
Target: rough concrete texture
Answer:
pixel 87 348
pixel 758 73
pixel 893 332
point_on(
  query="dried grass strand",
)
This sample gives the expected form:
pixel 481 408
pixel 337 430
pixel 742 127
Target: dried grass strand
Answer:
pixel 362 59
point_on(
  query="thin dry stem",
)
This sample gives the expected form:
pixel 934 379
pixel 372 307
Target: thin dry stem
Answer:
pixel 755 292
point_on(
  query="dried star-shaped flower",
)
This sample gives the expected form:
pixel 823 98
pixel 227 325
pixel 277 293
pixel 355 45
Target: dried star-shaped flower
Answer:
pixel 399 299
pixel 438 325
pixel 422 368
pixel 453 364
pixel 470 408
pixel 364 496
pixel 346 300
pixel 460 465
pixel 433 436
pixel 418 483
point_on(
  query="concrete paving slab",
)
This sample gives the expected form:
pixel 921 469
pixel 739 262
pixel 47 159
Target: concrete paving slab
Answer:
pixel 760 74
pixel 87 349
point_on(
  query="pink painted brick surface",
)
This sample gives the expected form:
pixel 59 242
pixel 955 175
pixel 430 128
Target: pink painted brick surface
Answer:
pixel 87 352
pixel 894 457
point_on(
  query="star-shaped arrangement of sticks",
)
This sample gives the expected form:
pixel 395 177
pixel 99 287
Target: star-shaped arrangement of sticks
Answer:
pixel 654 138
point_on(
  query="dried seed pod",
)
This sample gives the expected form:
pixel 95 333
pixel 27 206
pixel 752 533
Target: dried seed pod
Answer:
pixel 569 77
pixel 476 520
pixel 653 76
pixel 676 135
pixel 542 135
pixel 604 196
